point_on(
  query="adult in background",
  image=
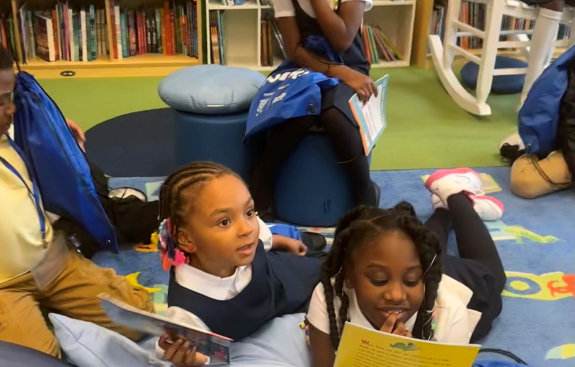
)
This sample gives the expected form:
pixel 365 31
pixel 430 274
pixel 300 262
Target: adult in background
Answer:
pixel 37 266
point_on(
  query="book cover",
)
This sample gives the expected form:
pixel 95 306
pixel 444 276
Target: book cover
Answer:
pixel 371 116
pixel 362 347
pixel 214 346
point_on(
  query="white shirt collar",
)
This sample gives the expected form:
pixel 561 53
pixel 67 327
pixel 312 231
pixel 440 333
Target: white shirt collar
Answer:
pixel 211 286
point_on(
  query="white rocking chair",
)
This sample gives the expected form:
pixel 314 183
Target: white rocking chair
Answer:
pixel 444 54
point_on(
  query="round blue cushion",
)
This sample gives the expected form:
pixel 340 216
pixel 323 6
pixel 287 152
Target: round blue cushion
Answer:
pixel 503 84
pixel 211 89
pixel 311 188
pixel 216 138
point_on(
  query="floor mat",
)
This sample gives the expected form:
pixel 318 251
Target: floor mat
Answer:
pixel 139 144
pixel 535 239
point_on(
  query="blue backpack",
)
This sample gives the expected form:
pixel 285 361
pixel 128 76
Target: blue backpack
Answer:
pixel 539 116
pixel 56 164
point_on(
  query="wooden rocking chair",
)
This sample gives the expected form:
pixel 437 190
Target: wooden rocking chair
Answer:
pixel 444 53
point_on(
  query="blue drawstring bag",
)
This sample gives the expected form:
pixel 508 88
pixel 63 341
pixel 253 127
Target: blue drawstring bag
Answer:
pixel 56 164
pixel 291 91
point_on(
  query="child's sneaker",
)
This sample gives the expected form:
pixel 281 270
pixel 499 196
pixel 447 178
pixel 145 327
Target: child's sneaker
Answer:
pixel 447 182
pixel 488 208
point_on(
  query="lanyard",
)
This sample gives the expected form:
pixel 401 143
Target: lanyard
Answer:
pixel 32 192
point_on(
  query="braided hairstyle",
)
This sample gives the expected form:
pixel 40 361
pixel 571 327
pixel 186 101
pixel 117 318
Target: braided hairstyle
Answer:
pixel 6 59
pixel 196 175
pixel 366 223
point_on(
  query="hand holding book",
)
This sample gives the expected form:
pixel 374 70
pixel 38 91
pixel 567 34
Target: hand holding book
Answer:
pixel 362 84
pixel 181 353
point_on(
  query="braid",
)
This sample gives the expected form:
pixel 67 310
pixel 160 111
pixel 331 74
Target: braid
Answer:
pixel 429 250
pixel 334 266
pixel 194 174
pixel 362 224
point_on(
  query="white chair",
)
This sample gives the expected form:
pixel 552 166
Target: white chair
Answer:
pixel 444 53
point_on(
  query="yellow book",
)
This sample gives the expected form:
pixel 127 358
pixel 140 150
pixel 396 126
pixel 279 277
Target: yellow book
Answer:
pixel 362 347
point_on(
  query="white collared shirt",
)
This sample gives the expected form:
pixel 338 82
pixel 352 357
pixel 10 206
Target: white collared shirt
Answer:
pixel 454 322
pixel 217 288
pixel 211 286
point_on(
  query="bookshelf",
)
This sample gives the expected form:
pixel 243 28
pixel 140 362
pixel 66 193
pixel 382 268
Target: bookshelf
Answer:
pixel 143 42
pixel 236 32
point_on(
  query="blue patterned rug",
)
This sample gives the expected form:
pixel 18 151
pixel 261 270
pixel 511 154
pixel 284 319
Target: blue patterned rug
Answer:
pixel 536 240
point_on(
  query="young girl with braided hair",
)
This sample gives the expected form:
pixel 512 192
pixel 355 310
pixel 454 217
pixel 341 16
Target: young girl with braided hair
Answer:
pixel 388 271
pixel 226 275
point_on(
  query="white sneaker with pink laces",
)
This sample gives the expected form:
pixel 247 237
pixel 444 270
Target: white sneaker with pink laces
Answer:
pixel 447 182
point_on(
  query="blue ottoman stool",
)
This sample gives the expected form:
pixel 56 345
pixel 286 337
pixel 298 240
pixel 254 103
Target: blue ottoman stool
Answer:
pixel 502 84
pixel 311 188
pixel 211 104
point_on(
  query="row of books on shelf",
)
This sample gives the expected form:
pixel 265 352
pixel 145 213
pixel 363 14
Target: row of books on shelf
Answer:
pixel 168 30
pixel 377 46
pixel 474 15
pixel 70 33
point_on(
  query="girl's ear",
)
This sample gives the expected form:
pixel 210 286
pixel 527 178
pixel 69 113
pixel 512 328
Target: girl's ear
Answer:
pixel 185 241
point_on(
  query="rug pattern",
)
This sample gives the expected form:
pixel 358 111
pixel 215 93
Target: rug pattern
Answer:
pixel 536 240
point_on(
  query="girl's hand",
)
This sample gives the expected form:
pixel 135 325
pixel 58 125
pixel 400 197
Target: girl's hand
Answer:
pixel 391 326
pixel 362 84
pixel 181 353
pixel 78 133
pixel 288 244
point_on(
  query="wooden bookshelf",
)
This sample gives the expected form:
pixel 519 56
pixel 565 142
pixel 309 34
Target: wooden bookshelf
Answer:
pixel 242 31
pixel 147 64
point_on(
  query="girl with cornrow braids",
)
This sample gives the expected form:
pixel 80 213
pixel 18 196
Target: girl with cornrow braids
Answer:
pixel 225 276
pixel 388 271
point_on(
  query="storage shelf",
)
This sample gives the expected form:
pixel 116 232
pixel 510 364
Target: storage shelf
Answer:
pixel 242 37
pixel 148 64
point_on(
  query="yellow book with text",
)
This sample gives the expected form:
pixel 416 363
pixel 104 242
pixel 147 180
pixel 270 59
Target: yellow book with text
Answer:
pixel 362 347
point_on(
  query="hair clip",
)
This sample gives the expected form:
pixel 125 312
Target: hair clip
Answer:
pixel 171 255
pixel 430 264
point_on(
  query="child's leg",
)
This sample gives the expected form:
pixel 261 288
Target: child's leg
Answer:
pixel 441 223
pixel 74 293
pixel 455 188
pixel 21 321
pixel 473 239
pixel 283 140
pixel 348 147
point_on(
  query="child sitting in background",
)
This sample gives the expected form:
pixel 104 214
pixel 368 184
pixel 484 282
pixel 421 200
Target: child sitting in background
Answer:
pixel 221 270
pixel 388 271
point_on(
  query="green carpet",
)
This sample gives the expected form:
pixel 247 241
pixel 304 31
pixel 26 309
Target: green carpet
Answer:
pixel 426 129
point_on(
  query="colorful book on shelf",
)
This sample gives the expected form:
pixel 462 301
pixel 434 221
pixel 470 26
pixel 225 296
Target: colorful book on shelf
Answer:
pixel 360 346
pixel 371 116
pixel 212 345
pixel 377 46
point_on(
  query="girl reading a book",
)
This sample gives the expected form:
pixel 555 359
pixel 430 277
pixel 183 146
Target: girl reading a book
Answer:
pixel 388 271
pixel 336 25
pixel 221 272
